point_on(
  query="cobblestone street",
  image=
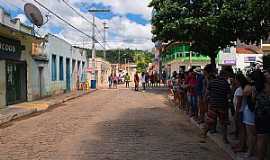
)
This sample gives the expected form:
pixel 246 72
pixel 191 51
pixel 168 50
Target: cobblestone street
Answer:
pixel 108 125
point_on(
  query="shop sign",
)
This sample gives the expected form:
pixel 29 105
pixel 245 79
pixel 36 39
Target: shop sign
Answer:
pixel 10 49
pixel 249 59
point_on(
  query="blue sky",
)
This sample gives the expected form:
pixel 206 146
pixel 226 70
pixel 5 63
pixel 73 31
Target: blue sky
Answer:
pixel 128 19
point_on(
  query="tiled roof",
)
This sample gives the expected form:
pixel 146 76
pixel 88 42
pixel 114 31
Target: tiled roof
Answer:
pixel 247 50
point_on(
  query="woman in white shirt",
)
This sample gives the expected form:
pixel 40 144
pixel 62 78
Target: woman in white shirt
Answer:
pixel 240 103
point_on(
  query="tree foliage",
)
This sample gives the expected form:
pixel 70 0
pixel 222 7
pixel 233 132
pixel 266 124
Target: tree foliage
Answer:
pixel 139 57
pixel 210 24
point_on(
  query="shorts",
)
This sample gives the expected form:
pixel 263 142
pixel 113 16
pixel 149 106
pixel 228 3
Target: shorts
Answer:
pixel 214 113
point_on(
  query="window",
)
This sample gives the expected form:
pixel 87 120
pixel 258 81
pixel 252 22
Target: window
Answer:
pixel 53 68
pixel 227 50
pixel 61 69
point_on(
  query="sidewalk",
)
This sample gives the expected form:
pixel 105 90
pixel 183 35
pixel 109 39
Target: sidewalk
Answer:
pixel 23 109
pixel 217 137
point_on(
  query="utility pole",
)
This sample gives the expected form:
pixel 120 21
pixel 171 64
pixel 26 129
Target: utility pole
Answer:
pixel 104 51
pixel 94 11
pixel 94 47
pixel 119 59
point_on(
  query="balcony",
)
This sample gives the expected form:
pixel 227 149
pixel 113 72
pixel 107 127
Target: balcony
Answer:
pixel 38 52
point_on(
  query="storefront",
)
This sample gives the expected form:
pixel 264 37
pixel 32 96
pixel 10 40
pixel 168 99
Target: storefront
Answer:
pixel 13 72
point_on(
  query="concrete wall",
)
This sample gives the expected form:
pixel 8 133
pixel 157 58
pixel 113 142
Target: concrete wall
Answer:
pixel 2 83
pixel 7 20
pixel 104 70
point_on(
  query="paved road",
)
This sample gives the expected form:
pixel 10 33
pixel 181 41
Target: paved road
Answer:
pixel 108 125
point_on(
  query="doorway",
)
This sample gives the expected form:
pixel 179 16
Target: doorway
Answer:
pixel 41 81
pixel 67 74
pixel 16 86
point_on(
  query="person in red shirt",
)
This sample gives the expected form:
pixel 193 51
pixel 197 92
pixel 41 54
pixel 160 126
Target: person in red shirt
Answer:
pixel 192 83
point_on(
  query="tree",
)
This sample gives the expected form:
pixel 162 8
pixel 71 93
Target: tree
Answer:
pixel 210 24
pixel 142 59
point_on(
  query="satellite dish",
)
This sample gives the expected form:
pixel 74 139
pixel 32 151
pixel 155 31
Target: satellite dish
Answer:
pixel 33 14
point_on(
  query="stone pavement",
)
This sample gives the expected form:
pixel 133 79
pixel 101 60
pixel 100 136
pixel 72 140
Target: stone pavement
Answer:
pixel 117 124
pixel 27 108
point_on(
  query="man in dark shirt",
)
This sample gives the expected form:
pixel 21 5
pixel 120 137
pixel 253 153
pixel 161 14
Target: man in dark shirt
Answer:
pixel 218 90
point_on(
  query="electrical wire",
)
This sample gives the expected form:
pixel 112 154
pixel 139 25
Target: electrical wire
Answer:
pixel 82 16
pixel 57 16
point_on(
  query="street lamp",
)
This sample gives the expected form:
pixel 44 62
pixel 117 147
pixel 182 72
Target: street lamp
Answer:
pixel 94 11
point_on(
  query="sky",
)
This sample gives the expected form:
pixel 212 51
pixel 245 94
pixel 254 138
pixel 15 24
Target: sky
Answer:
pixel 129 21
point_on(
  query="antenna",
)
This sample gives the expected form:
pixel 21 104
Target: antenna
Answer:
pixel 33 14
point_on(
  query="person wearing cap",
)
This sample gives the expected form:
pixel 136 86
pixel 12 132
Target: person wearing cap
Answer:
pixel 199 90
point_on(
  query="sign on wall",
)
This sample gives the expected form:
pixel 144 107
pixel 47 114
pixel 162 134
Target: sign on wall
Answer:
pixel 250 59
pixel 227 59
pixel 10 49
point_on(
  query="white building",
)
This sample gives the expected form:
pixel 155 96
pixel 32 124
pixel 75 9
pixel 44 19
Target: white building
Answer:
pixel 66 68
pixel 102 72
pixel 240 57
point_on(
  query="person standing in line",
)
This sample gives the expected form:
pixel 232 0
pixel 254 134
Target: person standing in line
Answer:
pixel 218 90
pixel 143 80
pixel 164 78
pixel 152 79
pixel 249 118
pixel 136 81
pixel 262 117
pixel 127 80
pixel 240 103
pixel 199 91
pixel 115 81
pixel 193 95
pixel 147 79
pixel 110 79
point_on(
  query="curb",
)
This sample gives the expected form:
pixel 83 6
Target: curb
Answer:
pixel 215 139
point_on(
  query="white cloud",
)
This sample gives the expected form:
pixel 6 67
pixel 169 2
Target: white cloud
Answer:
pixel 123 33
pixel 22 18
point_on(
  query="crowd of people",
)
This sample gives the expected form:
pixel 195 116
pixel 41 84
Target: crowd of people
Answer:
pixel 223 97
pixel 142 80
pixel 149 80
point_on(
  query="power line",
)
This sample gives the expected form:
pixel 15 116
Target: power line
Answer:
pixel 57 16
pixel 82 16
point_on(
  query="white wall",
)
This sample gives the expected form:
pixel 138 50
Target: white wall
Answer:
pixel 240 59
pixel 59 47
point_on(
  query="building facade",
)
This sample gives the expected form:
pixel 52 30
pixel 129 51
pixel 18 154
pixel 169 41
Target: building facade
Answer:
pixel 66 68
pixel 177 56
pixel 103 70
pixel 21 59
